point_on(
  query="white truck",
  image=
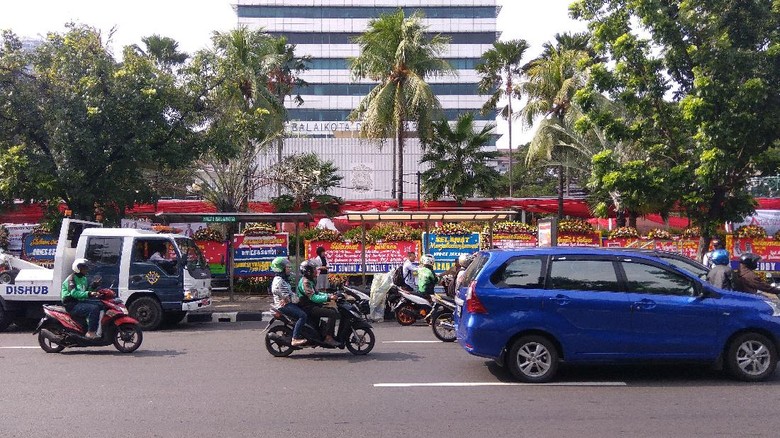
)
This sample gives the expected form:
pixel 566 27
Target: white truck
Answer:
pixel 159 276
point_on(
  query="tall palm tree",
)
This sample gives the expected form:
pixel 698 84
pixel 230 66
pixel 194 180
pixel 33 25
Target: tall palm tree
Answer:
pixel 553 78
pixel 459 162
pixel 163 50
pixel 396 52
pixel 500 73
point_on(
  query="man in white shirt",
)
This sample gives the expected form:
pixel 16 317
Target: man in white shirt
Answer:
pixel 410 270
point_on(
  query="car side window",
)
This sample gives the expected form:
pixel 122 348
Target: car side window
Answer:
pixel 585 275
pixel 649 279
pixel 104 250
pixel 522 272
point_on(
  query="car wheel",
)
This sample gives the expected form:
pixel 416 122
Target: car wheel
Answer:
pixel 533 359
pixel 751 357
pixel 148 312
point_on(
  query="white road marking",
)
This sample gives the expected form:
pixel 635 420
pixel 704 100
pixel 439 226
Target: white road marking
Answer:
pixel 20 347
pixel 474 384
pixel 412 342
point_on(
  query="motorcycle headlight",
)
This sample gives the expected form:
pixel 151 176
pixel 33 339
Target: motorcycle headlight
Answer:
pixel 775 308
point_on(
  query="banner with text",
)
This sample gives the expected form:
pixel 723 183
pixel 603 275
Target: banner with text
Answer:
pixel 252 255
pixel 346 258
pixel 39 249
pixel 446 248
pixel 767 248
pixel 579 240
pixel 510 241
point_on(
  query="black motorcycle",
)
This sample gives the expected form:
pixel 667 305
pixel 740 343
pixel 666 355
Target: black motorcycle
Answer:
pixel 441 319
pixel 354 332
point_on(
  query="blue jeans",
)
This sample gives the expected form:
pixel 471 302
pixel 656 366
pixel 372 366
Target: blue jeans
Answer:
pixel 293 311
pixel 90 310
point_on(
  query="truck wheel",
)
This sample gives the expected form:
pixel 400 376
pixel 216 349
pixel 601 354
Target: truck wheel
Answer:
pixel 5 318
pixel 147 311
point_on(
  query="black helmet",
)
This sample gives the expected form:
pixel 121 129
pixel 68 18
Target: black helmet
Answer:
pixel 750 260
pixel 307 270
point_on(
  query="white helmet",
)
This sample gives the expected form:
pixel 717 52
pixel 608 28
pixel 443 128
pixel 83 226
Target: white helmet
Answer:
pixel 79 262
pixel 427 259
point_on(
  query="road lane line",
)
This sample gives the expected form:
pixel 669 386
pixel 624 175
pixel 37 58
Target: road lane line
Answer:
pixel 475 384
pixel 412 342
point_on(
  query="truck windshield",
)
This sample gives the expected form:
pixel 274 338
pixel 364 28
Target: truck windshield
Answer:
pixel 190 250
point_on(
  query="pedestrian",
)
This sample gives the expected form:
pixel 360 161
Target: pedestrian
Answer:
pixel 320 263
pixel 717 244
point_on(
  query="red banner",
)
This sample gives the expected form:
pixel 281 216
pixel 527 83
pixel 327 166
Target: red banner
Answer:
pixel 579 240
pixel 215 254
pixel 346 258
pixel 767 248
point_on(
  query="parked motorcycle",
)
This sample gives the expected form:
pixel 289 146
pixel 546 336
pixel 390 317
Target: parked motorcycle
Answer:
pixel 354 332
pixel 58 329
pixel 441 319
pixel 410 307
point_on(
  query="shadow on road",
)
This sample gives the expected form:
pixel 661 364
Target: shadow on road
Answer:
pixel 650 375
pixel 346 356
pixel 138 353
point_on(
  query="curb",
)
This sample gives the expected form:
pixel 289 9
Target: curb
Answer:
pixel 225 316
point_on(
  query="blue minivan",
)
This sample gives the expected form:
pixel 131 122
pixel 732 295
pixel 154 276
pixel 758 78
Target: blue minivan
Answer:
pixel 530 309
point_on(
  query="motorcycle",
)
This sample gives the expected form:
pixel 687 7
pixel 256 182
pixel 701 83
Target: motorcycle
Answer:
pixel 441 319
pixel 410 307
pixel 58 329
pixel 354 332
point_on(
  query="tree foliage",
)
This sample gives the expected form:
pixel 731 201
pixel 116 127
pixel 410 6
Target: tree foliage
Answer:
pixel 306 178
pixel 76 125
pixel 396 52
pixel 699 80
pixel 459 162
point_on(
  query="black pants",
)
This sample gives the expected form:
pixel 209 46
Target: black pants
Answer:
pixel 330 315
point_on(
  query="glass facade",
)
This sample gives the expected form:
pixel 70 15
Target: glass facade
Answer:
pixel 363 89
pixel 343 64
pixel 257 11
pixel 349 37
pixel 325 115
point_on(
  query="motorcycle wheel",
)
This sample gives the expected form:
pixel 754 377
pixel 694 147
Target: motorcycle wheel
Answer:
pixel 48 345
pixel 276 348
pixel 441 329
pixel 405 315
pixel 361 341
pixel 128 338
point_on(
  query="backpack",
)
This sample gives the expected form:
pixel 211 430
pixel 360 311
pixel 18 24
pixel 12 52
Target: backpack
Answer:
pixel 398 276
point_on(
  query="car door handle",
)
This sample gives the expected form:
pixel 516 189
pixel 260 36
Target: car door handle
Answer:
pixel 560 300
pixel 643 304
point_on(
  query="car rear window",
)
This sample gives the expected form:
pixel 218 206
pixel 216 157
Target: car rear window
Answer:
pixel 474 268
pixel 520 272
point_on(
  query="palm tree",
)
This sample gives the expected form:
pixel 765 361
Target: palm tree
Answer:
pixel 396 52
pixel 163 50
pixel 458 161
pixel 553 78
pixel 500 73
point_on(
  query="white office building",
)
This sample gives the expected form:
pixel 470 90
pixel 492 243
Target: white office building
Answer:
pixel 324 30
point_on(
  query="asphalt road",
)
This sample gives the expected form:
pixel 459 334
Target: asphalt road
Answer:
pixel 209 380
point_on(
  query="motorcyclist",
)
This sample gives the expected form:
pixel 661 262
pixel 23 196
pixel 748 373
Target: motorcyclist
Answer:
pixel 748 281
pixel 312 301
pixel 720 275
pixel 717 244
pixel 464 261
pixel 285 299
pixel 76 294
pixel 426 279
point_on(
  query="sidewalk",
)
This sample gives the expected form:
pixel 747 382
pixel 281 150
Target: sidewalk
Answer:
pixel 242 308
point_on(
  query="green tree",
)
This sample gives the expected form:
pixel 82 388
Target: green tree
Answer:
pixel 552 81
pixel 306 178
pixel 500 73
pixel 396 52
pixel 458 161
pixel 700 81
pixel 76 125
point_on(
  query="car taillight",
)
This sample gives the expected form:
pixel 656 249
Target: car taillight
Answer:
pixel 473 304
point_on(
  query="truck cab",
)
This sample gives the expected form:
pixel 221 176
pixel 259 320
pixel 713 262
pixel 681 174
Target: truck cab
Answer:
pixel 159 276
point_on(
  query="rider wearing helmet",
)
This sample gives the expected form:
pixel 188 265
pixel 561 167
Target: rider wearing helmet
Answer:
pixel 720 275
pixel 464 261
pixel 75 297
pixel 285 299
pixel 312 301
pixel 426 279
pixel 747 280
pixel 717 244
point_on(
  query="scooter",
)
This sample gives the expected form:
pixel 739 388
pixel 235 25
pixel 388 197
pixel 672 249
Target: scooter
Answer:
pixel 410 307
pixel 354 332
pixel 58 329
pixel 441 319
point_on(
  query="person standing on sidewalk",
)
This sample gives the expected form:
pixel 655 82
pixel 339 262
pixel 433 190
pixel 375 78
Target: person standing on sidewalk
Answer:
pixel 285 299
pixel 320 263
